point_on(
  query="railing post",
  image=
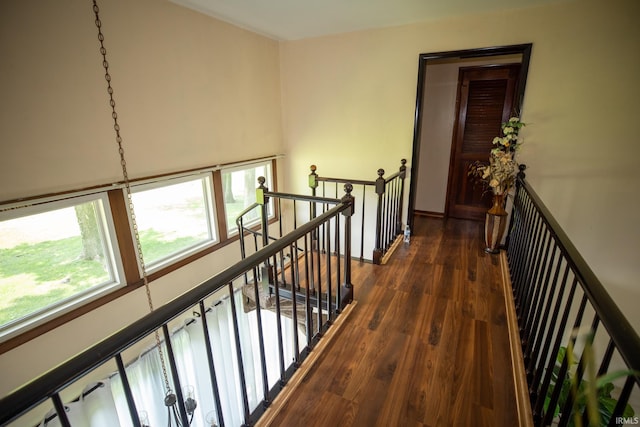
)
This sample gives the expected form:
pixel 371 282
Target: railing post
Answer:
pixel 313 184
pixel 313 180
pixel 402 176
pixel 348 213
pixel 519 178
pixel 263 201
pixel 380 187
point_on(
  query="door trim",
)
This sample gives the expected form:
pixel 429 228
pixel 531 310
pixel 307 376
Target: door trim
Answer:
pixel 424 58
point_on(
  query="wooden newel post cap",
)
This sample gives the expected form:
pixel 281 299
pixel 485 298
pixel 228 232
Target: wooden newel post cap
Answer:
pixel 261 199
pixel 380 172
pixel 522 168
pixel 313 179
pixel 348 198
pixel 403 168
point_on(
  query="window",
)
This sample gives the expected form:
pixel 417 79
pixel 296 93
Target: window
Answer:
pixel 174 219
pixel 53 257
pixel 239 191
pixel 61 251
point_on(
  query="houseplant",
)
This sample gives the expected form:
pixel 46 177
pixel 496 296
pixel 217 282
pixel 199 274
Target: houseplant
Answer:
pixel 499 176
pixel 592 395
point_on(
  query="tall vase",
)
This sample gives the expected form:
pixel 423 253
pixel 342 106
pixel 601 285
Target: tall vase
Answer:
pixel 495 223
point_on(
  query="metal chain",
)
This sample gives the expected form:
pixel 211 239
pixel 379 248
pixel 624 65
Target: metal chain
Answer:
pixel 127 186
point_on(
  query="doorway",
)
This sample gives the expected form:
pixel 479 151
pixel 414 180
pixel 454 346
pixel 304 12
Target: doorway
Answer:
pixel 484 102
pixel 433 138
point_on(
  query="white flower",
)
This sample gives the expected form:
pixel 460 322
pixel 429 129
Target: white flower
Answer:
pixel 494 183
pixel 514 119
pixel 497 140
pixel 508 130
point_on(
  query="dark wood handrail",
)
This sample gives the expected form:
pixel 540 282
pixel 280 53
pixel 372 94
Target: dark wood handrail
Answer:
pixel 40 389
pixel 620 330
pixel 343 180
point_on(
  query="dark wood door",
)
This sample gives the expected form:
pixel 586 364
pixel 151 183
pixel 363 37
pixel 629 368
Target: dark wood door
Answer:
pixel 485 100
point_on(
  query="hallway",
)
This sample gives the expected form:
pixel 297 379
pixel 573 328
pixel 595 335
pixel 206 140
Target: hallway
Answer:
pixel 425 345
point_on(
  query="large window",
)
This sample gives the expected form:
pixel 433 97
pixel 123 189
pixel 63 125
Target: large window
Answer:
pixel 239 186
pixel 59 252
pixel 53 257
pixel 174 218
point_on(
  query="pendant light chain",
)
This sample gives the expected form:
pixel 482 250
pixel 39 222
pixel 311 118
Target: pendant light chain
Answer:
pixel 127 186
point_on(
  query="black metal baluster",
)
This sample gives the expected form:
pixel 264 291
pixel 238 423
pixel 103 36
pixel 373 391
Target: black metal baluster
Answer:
pixel 539 394
pixel 276 288
pixel 60 410
pixel 521 241
pixel 338 272
pixel 548 416
pixel 210 362
pixel 319 293
pixel 179 404
pixel 328 272
pixel 295 285
pixel 528 246
pixel 544 318
pixel 618 411
pixel 541 293
pixel 307 302
pixel 263 353
pixel 126 387
pixel 239 358
pixel 568 409
pixel 364 188
pixel 530 288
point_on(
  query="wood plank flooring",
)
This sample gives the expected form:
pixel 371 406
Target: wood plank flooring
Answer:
pixel 426 344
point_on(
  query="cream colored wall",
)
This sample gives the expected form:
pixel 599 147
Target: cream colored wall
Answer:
pixel 190 91
pixel 349 103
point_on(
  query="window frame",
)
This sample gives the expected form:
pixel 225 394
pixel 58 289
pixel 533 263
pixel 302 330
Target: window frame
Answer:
pixel 208 192
pixel 116 211
pixel 231 229
pixel 115 266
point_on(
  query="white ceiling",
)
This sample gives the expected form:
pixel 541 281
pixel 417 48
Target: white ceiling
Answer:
pixel 298 19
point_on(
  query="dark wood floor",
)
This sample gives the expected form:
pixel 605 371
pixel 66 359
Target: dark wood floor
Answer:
pixel 425 345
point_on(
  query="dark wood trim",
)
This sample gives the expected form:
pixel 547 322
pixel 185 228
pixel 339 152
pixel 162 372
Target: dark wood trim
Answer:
pixel 218 194
pixel 423 59
pixel 429 214
pixel 107 186
pixel 124 238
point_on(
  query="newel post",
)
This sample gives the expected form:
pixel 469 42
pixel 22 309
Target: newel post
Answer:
pixel 263 201
pixel 402 175
pixel 313 180
pixel 380 188
pixel 348 213
pixel 313 184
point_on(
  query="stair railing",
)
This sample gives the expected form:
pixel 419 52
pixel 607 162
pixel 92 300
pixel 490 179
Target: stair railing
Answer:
pixel 389 193
pixel 109 352
pixel 561 305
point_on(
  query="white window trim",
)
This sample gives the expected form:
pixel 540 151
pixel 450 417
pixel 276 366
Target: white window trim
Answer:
pixel 212 220
pixel 115 266
pixel 232 230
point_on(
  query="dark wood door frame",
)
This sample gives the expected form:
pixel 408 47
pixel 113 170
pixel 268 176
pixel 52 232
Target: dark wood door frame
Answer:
pixel 424 58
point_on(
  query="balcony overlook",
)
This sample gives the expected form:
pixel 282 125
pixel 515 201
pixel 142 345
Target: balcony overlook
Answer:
pixel 426 343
